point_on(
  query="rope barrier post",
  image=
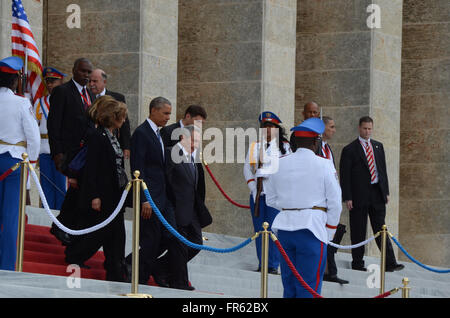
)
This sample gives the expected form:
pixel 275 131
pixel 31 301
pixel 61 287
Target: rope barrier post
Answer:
pixel 264 260
pixel 136 227
pixel 383 257
pixel 405 288
pixel 22 204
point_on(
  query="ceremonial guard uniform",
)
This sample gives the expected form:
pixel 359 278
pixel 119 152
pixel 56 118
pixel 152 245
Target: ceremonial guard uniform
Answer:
pixel 19 133
pixel 266 213
pixel 306 191
pixel 53 182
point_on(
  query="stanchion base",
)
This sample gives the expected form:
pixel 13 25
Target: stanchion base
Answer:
pixel 131 295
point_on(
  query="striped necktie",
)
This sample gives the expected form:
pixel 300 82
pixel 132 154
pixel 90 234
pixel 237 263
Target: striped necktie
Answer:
pixel 326 151
pixel 370 161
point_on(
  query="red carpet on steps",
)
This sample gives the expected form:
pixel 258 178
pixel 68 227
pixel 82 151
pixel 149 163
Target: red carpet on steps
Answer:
pixel 44 254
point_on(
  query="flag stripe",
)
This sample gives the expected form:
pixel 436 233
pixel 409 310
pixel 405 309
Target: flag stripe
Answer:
pixel 23 44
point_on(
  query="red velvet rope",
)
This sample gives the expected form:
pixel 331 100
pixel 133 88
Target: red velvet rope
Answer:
pixel 303 283
pixel 8 172
pixel 223 192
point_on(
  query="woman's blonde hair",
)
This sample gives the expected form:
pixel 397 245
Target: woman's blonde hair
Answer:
pixel 106 110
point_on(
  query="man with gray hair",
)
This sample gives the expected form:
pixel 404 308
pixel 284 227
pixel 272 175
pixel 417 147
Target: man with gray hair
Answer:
pixel 184 183
pixel 97 84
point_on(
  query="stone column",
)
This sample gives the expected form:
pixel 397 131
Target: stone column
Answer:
pixel 425 103
pixel 236 58
pixel 133 41
pixel 352 70
pixel 33 8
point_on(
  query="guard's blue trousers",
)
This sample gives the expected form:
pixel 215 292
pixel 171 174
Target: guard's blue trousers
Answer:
pixel 309 256
pixel 52 181
pixel 9 212
pixel 266 214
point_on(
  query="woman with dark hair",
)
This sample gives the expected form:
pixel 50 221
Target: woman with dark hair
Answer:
pixel 102 182
pixel 19 133
pixel 275 145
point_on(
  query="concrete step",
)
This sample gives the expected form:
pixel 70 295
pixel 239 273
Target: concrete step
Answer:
pixel 229 275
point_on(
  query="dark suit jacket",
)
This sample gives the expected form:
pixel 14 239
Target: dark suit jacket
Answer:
pixel 68 124
pixel 100 178
pixel 124 133
pixel 186 189
pixel 147 157
pixel 166 134
pixel 322 154
pixel 355 174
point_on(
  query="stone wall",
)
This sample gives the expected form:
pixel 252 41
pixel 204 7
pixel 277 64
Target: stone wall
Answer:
pixel 236 58
pixel 351 71
pixel 425 142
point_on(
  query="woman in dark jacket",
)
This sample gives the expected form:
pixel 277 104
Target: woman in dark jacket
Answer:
pixel 102 182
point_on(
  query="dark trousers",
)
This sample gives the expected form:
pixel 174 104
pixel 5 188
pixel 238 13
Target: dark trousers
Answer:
pixel 375 210
pixel 69 212
pixel 112 238
pixel 331 268
pixel 177 272
pixel 153 240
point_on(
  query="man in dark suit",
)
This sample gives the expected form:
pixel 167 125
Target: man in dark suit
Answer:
pixel 68 130
pixel 97 84
pixel 325 151
pixel 188 200
pixel 365 191
pixel 148 156
pixel 194 114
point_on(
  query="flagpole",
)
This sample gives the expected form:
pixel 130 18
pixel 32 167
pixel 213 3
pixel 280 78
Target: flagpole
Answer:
pixel 25 74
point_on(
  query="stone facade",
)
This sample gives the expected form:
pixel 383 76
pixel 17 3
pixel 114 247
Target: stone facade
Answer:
pixel 240 57
pixel 425 119
pixel 237 58
pixel 352 70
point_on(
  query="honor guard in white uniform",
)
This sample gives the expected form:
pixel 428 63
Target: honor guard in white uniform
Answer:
pixel 275 145
pixel 53 182
pixel 306 191
pixel 19 133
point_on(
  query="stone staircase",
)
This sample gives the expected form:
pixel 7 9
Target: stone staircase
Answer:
pixel 216 275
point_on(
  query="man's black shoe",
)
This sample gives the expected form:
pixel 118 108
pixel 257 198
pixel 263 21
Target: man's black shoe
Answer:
pixel 334 279
pixel 184 287
pixel 273 271
pixel 359 268
pixel 395 267
pixel 62 236
pixel 160 281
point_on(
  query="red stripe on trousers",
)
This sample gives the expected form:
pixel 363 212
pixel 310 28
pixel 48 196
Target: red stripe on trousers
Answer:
pixel 318 269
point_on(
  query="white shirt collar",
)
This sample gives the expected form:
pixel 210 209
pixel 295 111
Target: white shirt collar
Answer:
pixel 363 140
pixel 79 87
pixel 103 93
pixel 152 124
pixel 181 123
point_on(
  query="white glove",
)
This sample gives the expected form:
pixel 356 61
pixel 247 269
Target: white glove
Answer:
pixel 330 233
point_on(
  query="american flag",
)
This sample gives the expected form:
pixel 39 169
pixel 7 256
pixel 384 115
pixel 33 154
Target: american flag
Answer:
pixel 22 39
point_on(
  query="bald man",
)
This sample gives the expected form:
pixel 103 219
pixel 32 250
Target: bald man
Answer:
pixel 97 84
pixel 310 110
